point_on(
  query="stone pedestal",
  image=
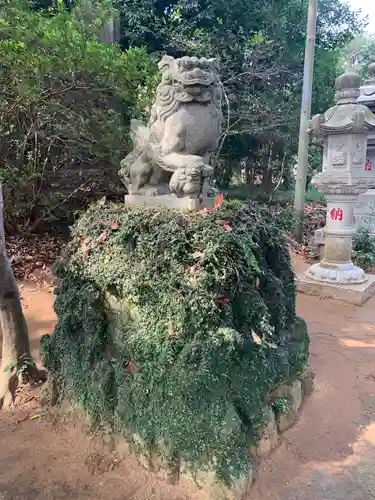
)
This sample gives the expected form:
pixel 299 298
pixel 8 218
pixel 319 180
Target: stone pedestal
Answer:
pixel 335 276
pixel 166 201
pixel 336 266
pixel 353 294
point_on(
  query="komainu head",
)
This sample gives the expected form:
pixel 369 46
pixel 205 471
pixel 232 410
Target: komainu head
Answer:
pixel 189 79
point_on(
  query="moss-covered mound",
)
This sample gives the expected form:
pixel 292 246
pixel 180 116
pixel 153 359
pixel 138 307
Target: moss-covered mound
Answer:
pixel 206 327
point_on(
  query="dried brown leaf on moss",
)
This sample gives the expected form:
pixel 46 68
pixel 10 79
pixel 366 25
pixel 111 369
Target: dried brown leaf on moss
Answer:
pixel 103 237
pixel 221 222
pixel 197 255
pixel 219 200
pixel 85 248
pixel 112 224
pixel 170 327
pixel 256 338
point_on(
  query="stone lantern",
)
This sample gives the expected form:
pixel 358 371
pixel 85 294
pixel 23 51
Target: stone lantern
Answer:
pixel 365 207
pixel 343 129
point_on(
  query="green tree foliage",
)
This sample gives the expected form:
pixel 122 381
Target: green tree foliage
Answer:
pixel 260 46
pixel 205 328
pixel 360 53
pixel 363 251
pixel 65 101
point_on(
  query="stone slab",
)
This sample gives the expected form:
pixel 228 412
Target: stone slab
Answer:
pixel 364 213
pixel 270 437
pixel 354 294
pixel 167 201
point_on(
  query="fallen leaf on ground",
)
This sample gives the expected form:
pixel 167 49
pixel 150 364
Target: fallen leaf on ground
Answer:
pixel 43 250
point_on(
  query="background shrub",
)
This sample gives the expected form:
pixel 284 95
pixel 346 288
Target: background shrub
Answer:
pixel 65 105
pixel 363 250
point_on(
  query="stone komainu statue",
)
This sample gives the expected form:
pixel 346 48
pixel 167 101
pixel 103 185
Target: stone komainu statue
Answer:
pixel 172 153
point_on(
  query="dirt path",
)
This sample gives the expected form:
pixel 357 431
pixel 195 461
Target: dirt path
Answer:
pixel 37 306
pixel 328 455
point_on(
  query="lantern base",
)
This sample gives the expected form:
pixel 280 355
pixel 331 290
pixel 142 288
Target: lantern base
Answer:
pixel 353 294
pixel 337 274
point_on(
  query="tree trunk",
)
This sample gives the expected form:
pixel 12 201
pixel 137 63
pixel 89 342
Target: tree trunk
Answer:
pixel 16 358
pixel 268 181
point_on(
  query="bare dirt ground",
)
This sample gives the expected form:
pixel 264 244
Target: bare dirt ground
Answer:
pixel 328 455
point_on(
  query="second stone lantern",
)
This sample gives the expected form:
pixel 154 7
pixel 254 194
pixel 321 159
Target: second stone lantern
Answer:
pixel 343 129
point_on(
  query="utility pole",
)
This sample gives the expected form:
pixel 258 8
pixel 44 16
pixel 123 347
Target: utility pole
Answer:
pixel 303 143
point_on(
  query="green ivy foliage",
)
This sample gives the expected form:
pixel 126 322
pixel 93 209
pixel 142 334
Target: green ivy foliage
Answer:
pixel 205 327
pixel 363 250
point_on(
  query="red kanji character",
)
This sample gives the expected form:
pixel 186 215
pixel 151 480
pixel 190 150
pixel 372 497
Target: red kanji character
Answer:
pixel 368 166
pixel 336 214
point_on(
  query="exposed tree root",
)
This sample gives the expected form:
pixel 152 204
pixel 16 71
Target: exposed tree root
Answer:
pixel 10 381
